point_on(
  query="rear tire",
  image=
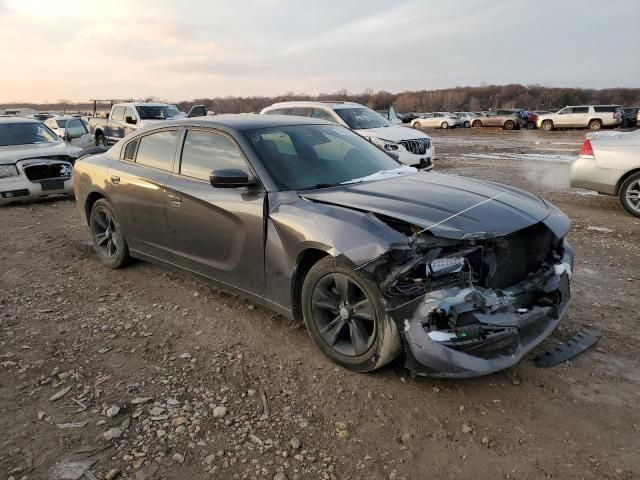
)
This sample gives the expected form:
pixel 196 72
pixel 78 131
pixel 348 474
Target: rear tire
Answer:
pixel 595 125
pixel 509 125
pixel 467 124
pixel 547 125
pixel 416 124
pixel 476 123
pixel 629 194
pixel 107 236
pixel 346 317
pixel 100 140
pixel 444 125
pixel 531 125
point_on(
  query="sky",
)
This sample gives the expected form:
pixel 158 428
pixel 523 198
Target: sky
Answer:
pixel 187 49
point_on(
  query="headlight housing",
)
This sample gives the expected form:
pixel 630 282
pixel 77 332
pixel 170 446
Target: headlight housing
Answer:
pixel 8 171
pixel 385 144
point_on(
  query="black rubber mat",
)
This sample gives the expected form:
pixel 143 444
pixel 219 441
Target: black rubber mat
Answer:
pixel 569 349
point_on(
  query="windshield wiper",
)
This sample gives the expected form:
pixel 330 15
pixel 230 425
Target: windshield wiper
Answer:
pixel 320 185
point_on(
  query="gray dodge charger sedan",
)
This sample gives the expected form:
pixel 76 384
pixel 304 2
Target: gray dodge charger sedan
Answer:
pixel 458 276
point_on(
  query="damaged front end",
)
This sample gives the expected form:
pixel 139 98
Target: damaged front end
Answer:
pixel 472 306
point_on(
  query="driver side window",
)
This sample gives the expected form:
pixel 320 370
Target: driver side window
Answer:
pixel 205 152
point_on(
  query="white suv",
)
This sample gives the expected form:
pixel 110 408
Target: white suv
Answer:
pixel 582 116
pixel 409 146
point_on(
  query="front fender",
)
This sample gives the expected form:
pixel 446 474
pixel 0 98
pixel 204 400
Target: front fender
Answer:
pixel 295 225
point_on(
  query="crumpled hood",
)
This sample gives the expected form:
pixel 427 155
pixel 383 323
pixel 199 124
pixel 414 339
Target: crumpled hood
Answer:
pixel 449 206
pixel 393 134
pixel 14 153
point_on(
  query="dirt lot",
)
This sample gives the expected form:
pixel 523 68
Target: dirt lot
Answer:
pixel 209 386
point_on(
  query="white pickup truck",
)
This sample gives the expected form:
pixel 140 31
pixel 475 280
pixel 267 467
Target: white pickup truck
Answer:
pixel 126 117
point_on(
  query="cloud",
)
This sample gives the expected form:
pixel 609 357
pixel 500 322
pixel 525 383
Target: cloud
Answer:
pixel 177 50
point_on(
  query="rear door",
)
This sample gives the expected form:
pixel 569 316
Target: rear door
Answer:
pixel 217 232
pixel 136 186
pixel 580 117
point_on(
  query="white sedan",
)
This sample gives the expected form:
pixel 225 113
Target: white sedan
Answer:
pixel 609 163
pixel 436 120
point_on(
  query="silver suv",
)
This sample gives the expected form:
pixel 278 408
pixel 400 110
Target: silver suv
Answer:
pixel 582 116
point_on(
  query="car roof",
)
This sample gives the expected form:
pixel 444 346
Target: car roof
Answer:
pixel 18 120
pixel 141 104
pixel 243 121
pixel 333 104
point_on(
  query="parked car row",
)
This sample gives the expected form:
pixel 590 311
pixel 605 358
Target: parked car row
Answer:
pixel 593 117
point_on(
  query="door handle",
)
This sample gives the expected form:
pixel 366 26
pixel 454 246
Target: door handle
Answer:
pixel 175 200
pixel 115 179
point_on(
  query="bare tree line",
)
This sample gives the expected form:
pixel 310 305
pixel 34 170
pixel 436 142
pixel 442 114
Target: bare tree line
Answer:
pixel 485 97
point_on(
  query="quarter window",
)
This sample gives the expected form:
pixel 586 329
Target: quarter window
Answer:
pixel 158 149
pixel 321 114
pixel 204 152
pixel 130 150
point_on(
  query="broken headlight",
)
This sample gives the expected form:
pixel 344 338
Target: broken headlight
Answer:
pixel 445 266
pixel 8 171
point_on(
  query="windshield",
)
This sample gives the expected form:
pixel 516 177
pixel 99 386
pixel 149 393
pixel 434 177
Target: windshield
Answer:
pixel 361 118
pixel 306 157
pixel 25 134
pixel 157 112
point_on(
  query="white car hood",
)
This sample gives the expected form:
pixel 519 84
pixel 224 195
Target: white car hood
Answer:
pixel 392 134
pixel 13 153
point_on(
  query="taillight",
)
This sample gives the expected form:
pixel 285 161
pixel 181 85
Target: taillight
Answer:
pixel 587 149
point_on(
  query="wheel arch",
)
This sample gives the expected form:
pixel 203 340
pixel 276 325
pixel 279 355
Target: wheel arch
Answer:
pixel 91 199
pixel 622 179
pixel 305 261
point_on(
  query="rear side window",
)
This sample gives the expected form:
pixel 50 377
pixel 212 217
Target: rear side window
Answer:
pixel 117 114
pixel 130 150
pixel 607 109
pixel 580 109
pixel 204 152
pixel 301 112
pixel 278 111
pixel 158 149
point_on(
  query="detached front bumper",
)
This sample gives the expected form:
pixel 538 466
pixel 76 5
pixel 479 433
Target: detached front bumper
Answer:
pixel 507 335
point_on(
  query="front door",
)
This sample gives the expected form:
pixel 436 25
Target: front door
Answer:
pixel 136 188
pixel 217 232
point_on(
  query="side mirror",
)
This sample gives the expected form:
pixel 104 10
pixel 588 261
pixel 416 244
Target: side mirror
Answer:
pixel 68 136
pixel 197 111
pixel 231 178
pixel 130 120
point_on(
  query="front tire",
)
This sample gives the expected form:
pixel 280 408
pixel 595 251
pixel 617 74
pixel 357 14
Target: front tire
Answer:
pixel 476 123
pixel 467 124
pixel 106 234
pixel 531 125
pixel 509 125
pixel 547 125
pixel 629 194
pixel 100 140
pixel 416 124
pixel 595 125
pixel 444 125
pixel 346 317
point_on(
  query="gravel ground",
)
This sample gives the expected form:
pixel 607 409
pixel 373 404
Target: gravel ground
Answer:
pixel 144 373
